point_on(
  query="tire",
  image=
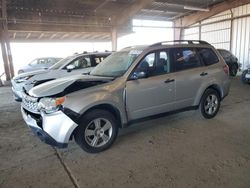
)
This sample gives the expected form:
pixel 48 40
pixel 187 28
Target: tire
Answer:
pixel 97 131
pixel 209 110
pixel 243 77
pixel 233 71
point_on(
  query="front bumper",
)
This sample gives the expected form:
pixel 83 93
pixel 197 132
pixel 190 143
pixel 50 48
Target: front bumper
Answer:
pixel 17 90
pixel 54 129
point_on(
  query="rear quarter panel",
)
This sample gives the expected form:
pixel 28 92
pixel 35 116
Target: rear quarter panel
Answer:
pixel 217 78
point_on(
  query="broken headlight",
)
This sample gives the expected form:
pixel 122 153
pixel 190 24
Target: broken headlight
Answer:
pixel 50 105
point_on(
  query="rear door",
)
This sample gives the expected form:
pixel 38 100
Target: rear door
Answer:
pixel 189 75
pixel 154 94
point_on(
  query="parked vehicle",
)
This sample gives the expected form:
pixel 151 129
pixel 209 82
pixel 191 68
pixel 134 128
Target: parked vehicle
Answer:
pixel 231 61
pixel 245 77
pixel 39 63
pixel 133 84
pixel 72 65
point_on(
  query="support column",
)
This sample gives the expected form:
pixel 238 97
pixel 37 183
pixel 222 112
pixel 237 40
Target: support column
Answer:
pixel 178 30
pixel 114 39
pixel 5 44
pixel 5 59
pixel 231 31
pixel 199 30
pixel 178 33
pixel 9 54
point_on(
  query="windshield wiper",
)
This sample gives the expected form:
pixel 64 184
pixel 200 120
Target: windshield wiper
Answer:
pixel 86 73
pixel 101 75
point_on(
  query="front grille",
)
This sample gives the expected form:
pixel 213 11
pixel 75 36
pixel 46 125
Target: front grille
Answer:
pixel 30 103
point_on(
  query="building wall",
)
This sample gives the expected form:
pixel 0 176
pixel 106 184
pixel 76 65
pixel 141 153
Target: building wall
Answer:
pixel 228 30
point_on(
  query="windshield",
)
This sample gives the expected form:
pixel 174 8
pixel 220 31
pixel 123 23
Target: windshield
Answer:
pixel 60 63
pixel 116 64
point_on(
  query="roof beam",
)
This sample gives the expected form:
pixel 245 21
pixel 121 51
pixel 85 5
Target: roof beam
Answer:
pixel 41 36
pixel 216 9
pixel 64 36
pixel 56 28
pixel 180 3
pixel 53 36
pixel 28 36
pixel 129 13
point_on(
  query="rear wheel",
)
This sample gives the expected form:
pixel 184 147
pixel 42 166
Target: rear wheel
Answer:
pixel 97 131
pixel 210 103
pixel 20 71
pixel 234 70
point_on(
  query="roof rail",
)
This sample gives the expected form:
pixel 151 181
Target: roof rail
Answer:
pixel 180 41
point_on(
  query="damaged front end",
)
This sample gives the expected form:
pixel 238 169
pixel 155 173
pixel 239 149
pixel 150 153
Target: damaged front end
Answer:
pixel 44 111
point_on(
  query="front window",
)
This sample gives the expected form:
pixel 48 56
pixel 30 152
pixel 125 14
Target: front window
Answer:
pixel 116 64
pixel 60 63
pixel 34 62
pixel 154 64
pixel 81 63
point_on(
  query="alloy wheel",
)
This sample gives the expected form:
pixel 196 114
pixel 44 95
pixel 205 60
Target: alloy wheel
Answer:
pixel 98 132
pixel 211 104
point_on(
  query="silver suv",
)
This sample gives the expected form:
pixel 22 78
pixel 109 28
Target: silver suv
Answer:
pixel 135 83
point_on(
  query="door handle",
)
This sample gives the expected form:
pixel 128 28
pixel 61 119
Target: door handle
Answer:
pixel 169 81
pixel 204 74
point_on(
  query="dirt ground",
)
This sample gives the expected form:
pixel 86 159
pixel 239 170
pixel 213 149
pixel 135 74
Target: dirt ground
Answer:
pixel 181 150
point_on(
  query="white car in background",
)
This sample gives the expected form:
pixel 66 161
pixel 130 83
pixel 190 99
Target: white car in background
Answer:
pixel 39 63
pixel 72 65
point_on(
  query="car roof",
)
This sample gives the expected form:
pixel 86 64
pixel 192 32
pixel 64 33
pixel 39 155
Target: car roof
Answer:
pixel 170 44
pixel 91 53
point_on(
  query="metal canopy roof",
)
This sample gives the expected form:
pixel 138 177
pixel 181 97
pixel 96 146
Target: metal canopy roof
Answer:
pixel 87 20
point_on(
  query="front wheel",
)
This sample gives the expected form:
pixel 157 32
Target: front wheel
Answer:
pixel 210 103
pixel 97 131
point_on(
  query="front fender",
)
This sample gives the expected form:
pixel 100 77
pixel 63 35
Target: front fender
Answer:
pixel 94 99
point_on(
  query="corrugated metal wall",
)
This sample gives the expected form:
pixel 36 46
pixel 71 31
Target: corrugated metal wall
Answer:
pixel 191 33
pixel 241 34
pixel 215 32
pixel 218 29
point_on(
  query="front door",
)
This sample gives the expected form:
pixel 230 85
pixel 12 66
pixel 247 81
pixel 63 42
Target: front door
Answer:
pixel 155 93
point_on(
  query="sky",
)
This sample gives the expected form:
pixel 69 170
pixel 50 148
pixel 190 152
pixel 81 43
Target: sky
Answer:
pixel 144 33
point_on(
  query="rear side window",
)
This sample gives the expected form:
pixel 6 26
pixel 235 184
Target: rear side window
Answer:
pixel 208 56
pixel 185 58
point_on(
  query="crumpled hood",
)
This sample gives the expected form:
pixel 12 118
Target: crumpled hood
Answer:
pixel 32 73
pixel 67 85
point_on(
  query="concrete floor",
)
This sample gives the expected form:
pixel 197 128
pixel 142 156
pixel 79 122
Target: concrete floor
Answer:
pixel 182 150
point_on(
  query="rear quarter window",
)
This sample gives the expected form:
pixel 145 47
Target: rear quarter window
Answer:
pixel 208 56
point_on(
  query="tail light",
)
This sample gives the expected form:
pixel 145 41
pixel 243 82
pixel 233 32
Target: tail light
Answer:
pixel 226 69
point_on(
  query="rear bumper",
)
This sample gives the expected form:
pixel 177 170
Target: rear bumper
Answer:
pixel 53 129
pixel 226 88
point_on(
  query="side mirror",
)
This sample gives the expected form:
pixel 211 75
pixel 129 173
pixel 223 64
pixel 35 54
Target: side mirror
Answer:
pixel 138 75
pixel 70 68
